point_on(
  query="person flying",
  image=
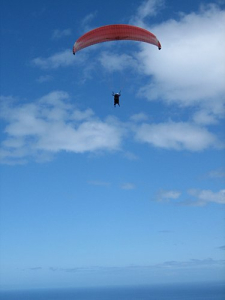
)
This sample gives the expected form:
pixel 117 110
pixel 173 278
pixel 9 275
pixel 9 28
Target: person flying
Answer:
pixel 116 98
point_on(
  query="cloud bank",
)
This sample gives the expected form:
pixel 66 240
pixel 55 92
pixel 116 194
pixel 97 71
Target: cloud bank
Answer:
pixel 189 264
pixel 52 124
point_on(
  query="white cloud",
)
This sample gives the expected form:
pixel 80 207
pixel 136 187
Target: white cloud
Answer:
pixel 203 197
pixel 169 195
pixel 176 136
pixel 52 124
pixel 190 68
pixel 205 117
pixel 88 136
pixel 82 115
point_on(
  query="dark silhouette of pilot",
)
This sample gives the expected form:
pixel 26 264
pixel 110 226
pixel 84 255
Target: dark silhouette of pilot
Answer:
pixel 116 98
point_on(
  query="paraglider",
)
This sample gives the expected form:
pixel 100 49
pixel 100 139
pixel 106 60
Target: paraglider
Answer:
pixel 112 33
pixel 115 32
pixel 116 98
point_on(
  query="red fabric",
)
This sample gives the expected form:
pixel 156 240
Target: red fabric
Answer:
pixel 115 32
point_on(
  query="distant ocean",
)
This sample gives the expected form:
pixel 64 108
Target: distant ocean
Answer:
pixel 164 292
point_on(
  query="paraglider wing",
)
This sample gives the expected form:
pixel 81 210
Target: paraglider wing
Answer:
pixel 113 33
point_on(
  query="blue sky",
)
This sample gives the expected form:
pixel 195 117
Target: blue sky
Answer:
pixel 93 195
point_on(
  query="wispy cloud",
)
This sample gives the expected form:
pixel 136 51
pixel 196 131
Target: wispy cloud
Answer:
pixel 148 8
pixel 165 196
pixel 131 156
pixel 128 186
pixel 203 197
pixel 116 62
pixel 60 59
pixel 99 183
pixel 220 173
pixel 140 117
pixel 174 264
pixel 64 59
pixel 58 34
pixel 36 268
pixel 44 78
pixel 193 197
pixel 85 23
pixel 193 263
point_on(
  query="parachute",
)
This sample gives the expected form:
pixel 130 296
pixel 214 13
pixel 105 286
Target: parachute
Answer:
pixel 113 33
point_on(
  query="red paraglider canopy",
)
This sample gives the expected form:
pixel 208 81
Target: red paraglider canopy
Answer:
pixel 115 32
